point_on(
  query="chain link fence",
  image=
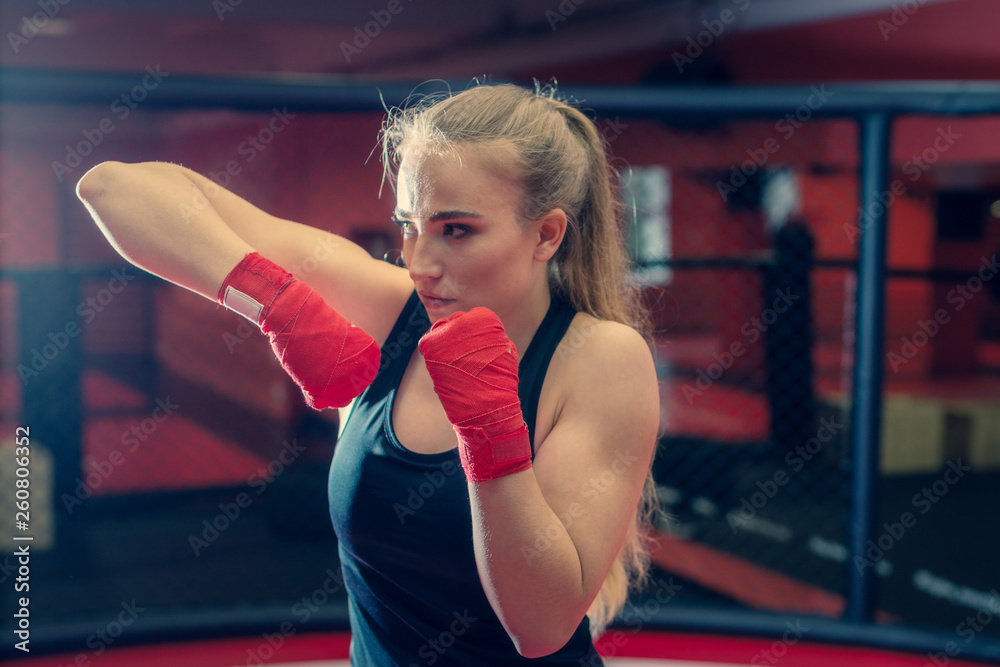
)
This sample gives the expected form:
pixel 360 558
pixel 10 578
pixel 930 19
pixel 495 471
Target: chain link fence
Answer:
pixel 190 478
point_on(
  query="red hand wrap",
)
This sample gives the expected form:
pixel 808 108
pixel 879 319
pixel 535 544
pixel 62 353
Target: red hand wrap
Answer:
pixel 330 359
pixel 474 368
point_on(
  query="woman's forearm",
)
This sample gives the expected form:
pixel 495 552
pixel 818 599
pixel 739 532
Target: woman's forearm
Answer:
pixel 529 565
pixel 157 218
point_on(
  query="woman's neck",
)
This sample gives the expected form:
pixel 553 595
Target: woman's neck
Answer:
pixel 521 327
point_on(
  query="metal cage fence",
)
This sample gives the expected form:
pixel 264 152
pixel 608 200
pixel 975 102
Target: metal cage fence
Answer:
pixel 758 220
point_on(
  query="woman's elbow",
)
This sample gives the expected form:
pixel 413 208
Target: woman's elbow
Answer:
pixel 98 180
pixel 541 641
pixel 537 649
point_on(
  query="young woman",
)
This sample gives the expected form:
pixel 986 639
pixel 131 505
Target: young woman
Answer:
pixel 487 490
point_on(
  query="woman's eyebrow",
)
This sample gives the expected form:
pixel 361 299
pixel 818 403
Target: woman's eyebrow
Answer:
pixel 439 215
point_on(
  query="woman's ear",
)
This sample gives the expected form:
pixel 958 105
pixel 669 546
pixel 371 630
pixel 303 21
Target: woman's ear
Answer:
pixel 551 228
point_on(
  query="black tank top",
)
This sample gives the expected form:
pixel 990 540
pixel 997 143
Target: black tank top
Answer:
pixel 404 526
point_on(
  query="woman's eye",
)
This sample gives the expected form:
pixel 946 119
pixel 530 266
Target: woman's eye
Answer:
pixel 456 231
pixel 452 230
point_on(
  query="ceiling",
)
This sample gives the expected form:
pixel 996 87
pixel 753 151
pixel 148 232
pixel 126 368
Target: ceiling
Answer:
pixel 587 41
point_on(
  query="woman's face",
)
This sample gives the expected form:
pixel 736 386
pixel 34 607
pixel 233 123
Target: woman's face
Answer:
pixel 462 241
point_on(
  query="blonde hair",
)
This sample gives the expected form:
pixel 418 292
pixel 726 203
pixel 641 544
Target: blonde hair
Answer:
pixel 559 157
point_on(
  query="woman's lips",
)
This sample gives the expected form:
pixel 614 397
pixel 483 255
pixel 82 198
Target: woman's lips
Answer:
pixel 434 301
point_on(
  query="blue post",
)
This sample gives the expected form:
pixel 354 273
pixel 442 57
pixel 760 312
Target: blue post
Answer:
pixel 866 404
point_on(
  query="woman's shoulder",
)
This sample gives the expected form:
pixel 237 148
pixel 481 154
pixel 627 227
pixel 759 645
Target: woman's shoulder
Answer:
pixel 595 351
pixel 601 377
pixel 590 340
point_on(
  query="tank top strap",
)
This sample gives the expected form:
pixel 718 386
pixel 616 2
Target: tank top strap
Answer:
pixel 535 362
pixel 412 323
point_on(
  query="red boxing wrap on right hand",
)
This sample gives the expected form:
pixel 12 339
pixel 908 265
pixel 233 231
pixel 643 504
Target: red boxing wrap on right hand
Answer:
pixel 330 359
pixel 474 368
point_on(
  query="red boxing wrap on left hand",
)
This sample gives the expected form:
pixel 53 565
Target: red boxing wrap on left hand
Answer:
pixel 474 368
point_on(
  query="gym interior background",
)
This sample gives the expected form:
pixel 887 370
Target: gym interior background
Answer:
pixel 178 480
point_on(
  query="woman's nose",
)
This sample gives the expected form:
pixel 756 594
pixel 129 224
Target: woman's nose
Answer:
pixel 421 258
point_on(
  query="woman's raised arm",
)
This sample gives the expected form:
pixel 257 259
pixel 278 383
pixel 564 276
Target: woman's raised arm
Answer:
pixel 179 225
pixel 141 208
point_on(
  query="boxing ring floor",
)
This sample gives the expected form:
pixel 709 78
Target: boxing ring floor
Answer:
pixel 643 649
